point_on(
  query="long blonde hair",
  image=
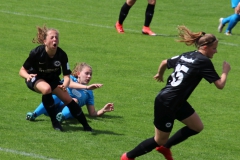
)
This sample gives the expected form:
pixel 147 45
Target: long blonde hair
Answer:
pixel 42 34
pixel 78 67
pixel 198 39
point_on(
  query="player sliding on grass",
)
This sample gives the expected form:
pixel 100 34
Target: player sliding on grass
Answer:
pixel 41 71
pixel 80 77
pixel 171 103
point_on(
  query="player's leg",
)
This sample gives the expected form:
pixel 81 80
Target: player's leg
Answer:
pixel 123 14
pixel 37 112
pixel 232 23
pixel 193 123
pixel 64 114
pixel 163 125
pixel 148 18
pixel 46 89
pixel 75 110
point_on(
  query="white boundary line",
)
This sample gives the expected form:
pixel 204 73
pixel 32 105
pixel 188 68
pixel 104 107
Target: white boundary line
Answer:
pixel 25 154
pixel 96 25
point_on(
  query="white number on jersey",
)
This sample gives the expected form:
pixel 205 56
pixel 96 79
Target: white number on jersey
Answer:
pixel 177 76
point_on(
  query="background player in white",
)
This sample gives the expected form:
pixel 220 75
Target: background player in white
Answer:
pixel 171 103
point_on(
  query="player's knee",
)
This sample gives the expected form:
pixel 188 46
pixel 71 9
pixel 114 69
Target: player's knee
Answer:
pixel 45 90
pixel 152 2
pixel 131 2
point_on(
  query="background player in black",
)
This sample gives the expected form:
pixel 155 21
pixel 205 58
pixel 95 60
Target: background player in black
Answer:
pixel 148 16
pixel 171 103
pixel 41 71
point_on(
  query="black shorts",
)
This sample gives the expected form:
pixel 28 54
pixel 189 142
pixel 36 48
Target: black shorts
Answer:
pixel 53 83
pixel 164 116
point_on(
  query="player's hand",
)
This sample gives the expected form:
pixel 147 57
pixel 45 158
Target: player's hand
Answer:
pixel 108 107
pixel 226 67
pixel 158 77
pixel 237 9
pixel 94 86
pixel 62 87
pixel 30 77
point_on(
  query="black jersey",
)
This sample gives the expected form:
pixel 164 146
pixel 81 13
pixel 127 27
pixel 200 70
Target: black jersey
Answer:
pixel 189 69
pixel 45 67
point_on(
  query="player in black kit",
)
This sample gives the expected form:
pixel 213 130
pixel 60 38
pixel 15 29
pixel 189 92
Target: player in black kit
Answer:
pixel 171 103
pixel 41 71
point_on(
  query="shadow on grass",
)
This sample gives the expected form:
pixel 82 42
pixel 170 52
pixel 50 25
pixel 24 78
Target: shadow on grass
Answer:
pixel 159 34
pixel 105 116
pixel 73 125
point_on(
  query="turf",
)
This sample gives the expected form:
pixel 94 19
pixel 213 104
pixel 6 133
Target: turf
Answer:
pixel 125 64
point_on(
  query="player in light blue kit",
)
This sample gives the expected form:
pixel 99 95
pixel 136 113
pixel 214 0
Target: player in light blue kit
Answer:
pixel 232 20
pixel 82 94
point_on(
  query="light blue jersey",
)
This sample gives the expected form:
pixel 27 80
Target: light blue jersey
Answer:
pixel 234 3
pixel 84 97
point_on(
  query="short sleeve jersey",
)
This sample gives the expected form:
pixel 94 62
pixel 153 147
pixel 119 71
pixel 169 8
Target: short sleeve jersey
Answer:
pixel 189 69
pixel 45 67
pixel 84 97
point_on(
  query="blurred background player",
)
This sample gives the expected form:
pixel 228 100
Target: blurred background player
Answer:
pixel 232 20
pixel 82 94
pixel 148 16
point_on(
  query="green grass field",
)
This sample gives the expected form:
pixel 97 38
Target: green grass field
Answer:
pixel 125 64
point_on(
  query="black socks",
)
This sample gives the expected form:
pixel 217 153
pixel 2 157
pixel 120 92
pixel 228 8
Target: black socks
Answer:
pixel 77 113
pixel 48 103
pixel 123 13
pixel 180 136
pixel 149 15
pixel 143 148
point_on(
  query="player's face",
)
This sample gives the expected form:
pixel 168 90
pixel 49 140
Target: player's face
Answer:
pixel 51 41
pixel 85 75
pixel 211 50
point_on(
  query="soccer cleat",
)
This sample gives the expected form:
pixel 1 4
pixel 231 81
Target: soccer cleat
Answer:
pixel 147 31
pixel 88 129
pixel 228 33
pixel 124 157
pixel 220 26
pixel 31 116
pixel 57 126
pixel 119 27
pixel 165 151
pixel 60 117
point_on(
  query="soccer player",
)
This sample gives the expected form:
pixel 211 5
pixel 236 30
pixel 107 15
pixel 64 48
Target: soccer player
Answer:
pixel 232 20
pixel 148 16
pixel 80 77
pixel 41 72
pixel 171 102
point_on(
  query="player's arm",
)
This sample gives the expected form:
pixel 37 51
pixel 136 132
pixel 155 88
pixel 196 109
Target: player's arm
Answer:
pixel 24 73
pixel 76 85
pixel 161 69
pixel 66 82
pixel 93 112
pixel 222 81
pixel 81 86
